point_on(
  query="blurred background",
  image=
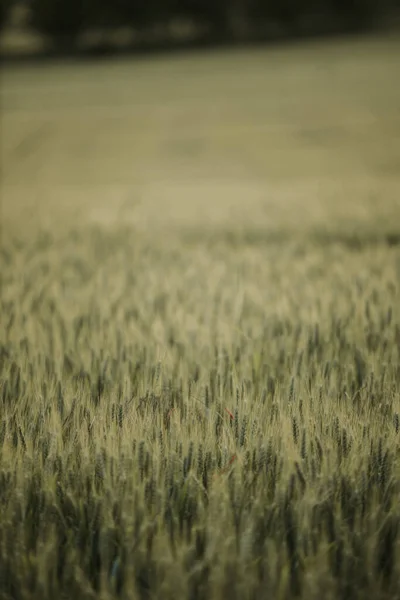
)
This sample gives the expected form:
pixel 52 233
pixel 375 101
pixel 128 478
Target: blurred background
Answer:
pixel 267 114
pixel 107 25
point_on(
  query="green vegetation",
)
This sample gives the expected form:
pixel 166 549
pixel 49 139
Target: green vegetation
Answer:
pixel 209 418
pixel 58 20
pixel 210 18
pixel 5 7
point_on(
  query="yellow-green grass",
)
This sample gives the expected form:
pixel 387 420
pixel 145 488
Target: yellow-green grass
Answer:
pixel 199 379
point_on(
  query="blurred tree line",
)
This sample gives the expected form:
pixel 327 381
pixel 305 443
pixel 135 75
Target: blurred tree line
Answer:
pixel 63 21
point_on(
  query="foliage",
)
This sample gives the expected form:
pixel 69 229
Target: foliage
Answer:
pixel 59 20
pixel 212 14
pixel 5 8
pixel 134 13
pixel 66 18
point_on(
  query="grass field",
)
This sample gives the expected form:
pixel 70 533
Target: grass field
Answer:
pixel 200 327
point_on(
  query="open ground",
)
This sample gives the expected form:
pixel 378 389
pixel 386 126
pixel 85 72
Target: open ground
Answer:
pixel 200 325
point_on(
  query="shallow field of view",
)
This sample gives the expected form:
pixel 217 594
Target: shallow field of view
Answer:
pixel 200 327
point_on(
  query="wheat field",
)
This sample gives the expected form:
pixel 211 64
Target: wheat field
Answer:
pixel 201 400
